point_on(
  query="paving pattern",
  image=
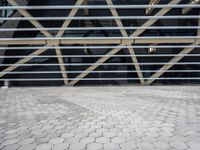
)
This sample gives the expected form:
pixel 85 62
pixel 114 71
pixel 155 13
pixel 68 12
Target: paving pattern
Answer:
pixel 92 118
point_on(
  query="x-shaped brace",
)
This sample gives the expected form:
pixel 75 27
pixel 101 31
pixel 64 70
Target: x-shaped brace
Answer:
pixel 112 52
pixel 47 34
pixel 138 32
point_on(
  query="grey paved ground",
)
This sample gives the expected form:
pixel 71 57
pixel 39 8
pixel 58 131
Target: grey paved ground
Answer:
pixel 112 118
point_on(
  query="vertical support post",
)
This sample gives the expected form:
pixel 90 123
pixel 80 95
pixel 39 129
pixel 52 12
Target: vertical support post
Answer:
pixel 6 84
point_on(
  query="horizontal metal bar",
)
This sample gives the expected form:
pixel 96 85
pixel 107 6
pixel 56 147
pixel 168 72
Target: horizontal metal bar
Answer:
pixel 96 47
pixel 111 71
pixel 95 79
pixel 90 56
pixel 56 7
pixel 101 18
pixel 103 64
pixel 99 38
pixel 98 28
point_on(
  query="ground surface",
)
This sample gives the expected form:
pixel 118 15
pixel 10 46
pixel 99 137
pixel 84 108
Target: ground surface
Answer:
pixel 112 118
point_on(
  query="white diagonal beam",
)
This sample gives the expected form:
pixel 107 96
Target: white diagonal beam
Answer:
pixel 60 34
pixel 174 60
pixel 38 25
pixel 150 9
pixel 62 67
pixel 124 33
pixel 136 64
pixel 24 60
pixel 93 67
pixel 86 11
pixel 186 10
pixel 71 14
pixel 27 14
pixel 118 21
pixel 168 65
pixel 150 22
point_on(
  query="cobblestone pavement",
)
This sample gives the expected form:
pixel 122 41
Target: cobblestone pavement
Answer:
pixel 111 118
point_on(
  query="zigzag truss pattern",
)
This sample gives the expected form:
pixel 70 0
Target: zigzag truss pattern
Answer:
pixel 125 41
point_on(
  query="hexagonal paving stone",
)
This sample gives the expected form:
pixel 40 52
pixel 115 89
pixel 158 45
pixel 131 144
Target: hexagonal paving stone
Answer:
pixel 101 115
pixel 10 147
pixel 67 135
pixel 94 146
pixel 10 132
pixel 128 146
pixel 95 134
pixel 167 129
pixel 56 140
pixel 26 141
pixel 149 139
pixel 27 147
pixel 72 140
pixel 145 146
pixel 42 140
pixel 118 140
pixel 60 146
pixel 167 134
pixel 110 134
pixel 46 146
pixel 111 146
pixel 78 146
pixel 102 130
pixel 178 145
pixel 80 135
pixel 179 138
pixel 161 145
pixel 10 136
pixel 102 140
pixel 87 140
pixel 90 130
pixel 152 134
pixel 10 141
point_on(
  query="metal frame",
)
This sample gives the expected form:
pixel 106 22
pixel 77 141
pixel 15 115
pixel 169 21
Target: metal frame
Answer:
pixel 97 28
pixel 125 41
pixel 99 47
pixel 114 51
pixel 90 56
pixel 102 71
pixel 102 18
pixel 174 60
pixel 103 64
pixel 92 79
pixel 57 7
pixel 47 34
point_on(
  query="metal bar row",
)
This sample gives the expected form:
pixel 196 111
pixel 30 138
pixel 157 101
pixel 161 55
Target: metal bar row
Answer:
pixel 91 56
pixel 99 38
pixel 97 28
pixel 95 79
pixel 97 47
pixel 103 64
pixel 112 71
pixel 101 18
pixel 56 7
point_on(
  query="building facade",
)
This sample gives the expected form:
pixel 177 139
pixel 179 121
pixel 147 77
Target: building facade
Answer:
pixel 99 42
